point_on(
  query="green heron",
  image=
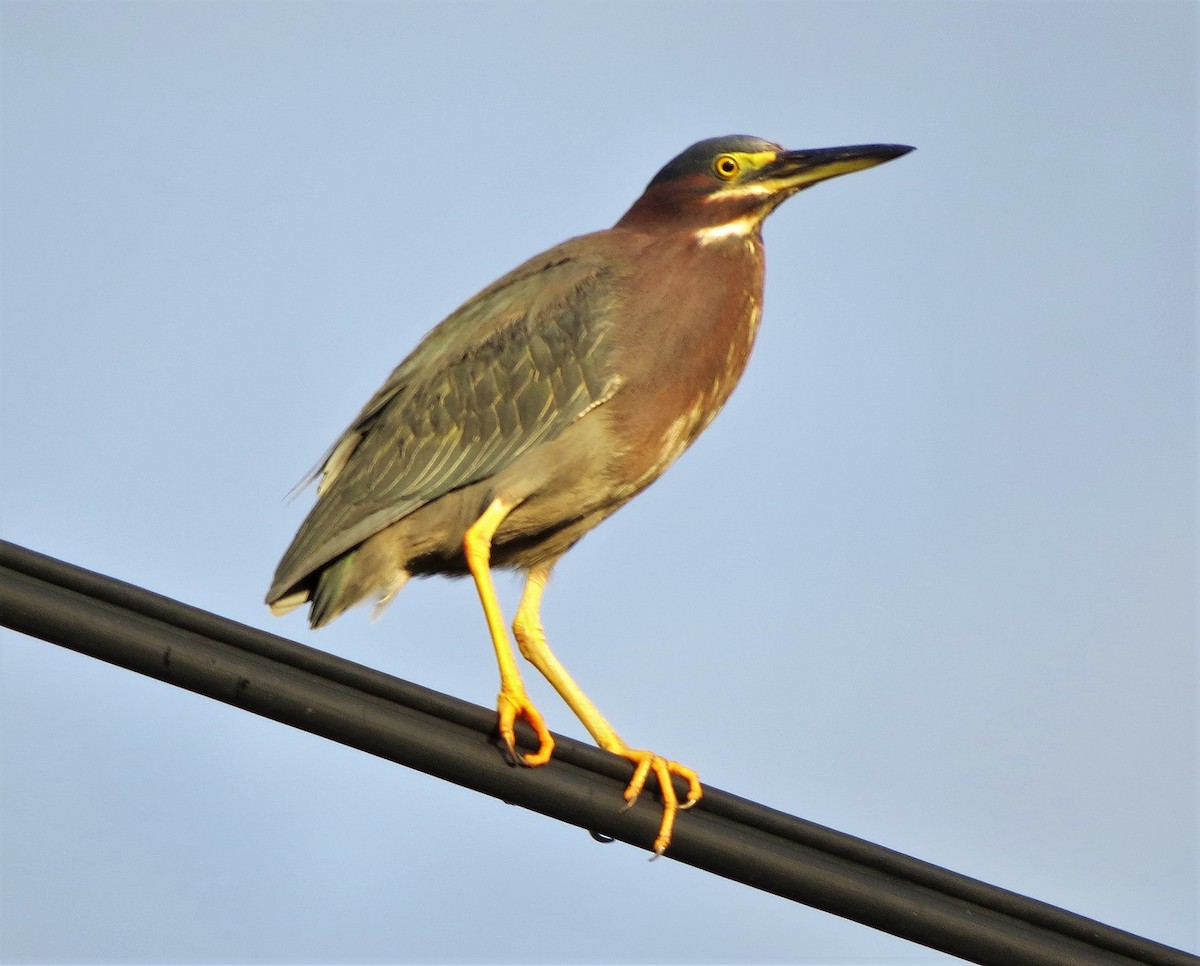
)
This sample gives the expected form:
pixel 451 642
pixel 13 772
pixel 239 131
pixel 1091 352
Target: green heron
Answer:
pixel 546 402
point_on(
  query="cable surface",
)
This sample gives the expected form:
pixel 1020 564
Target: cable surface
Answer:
pixel 452 739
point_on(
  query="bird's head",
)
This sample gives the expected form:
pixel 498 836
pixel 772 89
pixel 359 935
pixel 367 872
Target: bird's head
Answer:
pixel 726 186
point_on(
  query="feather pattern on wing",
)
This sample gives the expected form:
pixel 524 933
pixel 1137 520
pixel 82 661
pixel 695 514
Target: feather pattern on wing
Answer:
pixel 510 369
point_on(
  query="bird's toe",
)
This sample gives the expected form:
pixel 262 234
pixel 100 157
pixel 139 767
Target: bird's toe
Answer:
pixel 646 763
pixel 516 706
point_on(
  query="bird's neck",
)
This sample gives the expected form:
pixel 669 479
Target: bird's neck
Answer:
pixel 692 315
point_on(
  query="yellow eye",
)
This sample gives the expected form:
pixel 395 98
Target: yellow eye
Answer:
pixel 726 166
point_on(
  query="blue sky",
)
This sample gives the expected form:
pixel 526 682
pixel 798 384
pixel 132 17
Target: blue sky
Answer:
pixel 929 579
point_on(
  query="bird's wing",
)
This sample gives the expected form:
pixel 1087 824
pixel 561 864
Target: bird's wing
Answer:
pixel 510 369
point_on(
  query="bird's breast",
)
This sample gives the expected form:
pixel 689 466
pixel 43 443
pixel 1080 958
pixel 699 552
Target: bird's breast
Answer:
pixel 687 326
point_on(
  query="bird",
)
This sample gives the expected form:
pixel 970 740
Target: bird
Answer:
pixel 546 402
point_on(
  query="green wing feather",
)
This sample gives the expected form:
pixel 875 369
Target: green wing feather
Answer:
pixel 512 368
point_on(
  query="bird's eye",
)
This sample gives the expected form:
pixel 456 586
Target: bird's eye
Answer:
pixel 726 166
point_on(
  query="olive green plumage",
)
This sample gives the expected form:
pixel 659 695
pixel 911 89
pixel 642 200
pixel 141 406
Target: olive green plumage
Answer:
pixel 510 369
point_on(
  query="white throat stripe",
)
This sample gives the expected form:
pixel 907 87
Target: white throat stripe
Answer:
pixel 738 228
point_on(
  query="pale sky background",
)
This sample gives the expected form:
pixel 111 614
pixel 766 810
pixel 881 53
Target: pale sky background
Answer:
pixel 930 579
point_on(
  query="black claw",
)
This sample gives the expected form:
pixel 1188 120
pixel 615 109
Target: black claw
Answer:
pixel 509 751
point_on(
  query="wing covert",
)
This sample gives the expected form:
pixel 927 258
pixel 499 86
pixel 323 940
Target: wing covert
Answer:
pixel 487 385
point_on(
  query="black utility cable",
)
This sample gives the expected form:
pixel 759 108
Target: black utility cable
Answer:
pixel 452 739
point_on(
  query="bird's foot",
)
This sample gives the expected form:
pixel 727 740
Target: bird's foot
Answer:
pixel 514 706
pixel 646 762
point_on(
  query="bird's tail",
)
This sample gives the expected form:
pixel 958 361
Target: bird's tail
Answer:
pixel 331 593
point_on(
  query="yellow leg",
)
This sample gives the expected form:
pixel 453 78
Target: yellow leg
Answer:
pixel 528 630
pixel 513 701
